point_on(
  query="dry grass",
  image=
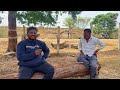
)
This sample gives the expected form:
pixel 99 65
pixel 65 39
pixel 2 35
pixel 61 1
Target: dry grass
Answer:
pixel 45 33
pixel 108 57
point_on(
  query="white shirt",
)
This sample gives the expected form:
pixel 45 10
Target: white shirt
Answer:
pixel 89 47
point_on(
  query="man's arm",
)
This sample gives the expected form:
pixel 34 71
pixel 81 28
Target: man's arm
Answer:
pixel 45 51
pixel 22 55
pixel 101 46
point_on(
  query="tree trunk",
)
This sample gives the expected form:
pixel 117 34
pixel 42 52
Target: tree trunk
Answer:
pixel 76 69
pixel 12 34
pixel 58 39
pixel 70 33
pixel 91 27
pixel 119 37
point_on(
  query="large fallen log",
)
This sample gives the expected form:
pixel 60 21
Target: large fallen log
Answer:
pixel 76 69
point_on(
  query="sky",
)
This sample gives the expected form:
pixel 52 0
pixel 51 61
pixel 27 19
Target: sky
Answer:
pixel 90 14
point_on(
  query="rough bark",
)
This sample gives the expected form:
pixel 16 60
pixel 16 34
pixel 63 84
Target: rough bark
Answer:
pixel 76 69
pixel 12 34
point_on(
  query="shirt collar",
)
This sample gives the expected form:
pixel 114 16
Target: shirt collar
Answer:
pixel 90 37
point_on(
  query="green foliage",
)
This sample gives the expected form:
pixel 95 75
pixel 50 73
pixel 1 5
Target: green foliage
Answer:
pixel 69 22
pixel 42 17
pixel 97 29
pixel 114 34
pixel 74 13
pixel 35 17
pixel 104 23
pixel 78 23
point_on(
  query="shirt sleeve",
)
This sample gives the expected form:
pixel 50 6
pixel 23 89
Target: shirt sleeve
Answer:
pixel 101 44
pixel 45 51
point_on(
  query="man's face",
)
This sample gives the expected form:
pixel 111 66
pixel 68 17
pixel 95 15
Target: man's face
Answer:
pixel 32 34
pixel 87 35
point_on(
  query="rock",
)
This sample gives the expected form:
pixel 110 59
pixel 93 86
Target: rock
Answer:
pixel 62 45
pixel 74 45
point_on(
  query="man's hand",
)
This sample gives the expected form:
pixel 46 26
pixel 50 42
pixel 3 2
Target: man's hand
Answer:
pixel 81 52
pixel 95 53
pixel 38 51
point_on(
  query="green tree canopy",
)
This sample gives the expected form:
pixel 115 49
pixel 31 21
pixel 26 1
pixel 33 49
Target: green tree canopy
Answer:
pixel 42 17
pixel 69 22
pixel 82 22
pixel 79 22
pixel 104 23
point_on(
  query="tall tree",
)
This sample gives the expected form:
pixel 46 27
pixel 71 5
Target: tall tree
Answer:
pixel 105 23
pixel 12 34
pixel 79 22
pixel 70 23
pixel 82 22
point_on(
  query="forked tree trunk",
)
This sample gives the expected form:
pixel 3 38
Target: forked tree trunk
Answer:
pixel 12 34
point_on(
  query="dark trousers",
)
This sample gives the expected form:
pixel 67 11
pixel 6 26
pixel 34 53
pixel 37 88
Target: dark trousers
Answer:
pixel 27 73
pixel 90 63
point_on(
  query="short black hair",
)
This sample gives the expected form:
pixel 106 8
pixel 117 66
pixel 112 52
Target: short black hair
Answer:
pixel 87 30
pixel 30 28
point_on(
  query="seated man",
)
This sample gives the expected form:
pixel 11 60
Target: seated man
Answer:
pixel 31 60
pixel 88 52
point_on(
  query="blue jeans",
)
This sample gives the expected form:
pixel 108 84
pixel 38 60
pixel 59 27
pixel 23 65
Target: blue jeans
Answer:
pixel 27 72
pixel 90 63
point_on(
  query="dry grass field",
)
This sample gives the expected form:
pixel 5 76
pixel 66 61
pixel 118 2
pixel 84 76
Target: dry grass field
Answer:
pixel 109 58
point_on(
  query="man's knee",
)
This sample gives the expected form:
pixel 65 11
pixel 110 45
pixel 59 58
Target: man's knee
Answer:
pixel 25 73
pixel 93 66
pixel 51 69
pixel 49 73
pixel 48 68
pixel 80 58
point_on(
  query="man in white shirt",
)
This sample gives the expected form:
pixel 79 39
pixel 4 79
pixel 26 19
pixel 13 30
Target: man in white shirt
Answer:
pixel 88 52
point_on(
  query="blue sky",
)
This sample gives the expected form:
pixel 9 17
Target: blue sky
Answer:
pixel 90 14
